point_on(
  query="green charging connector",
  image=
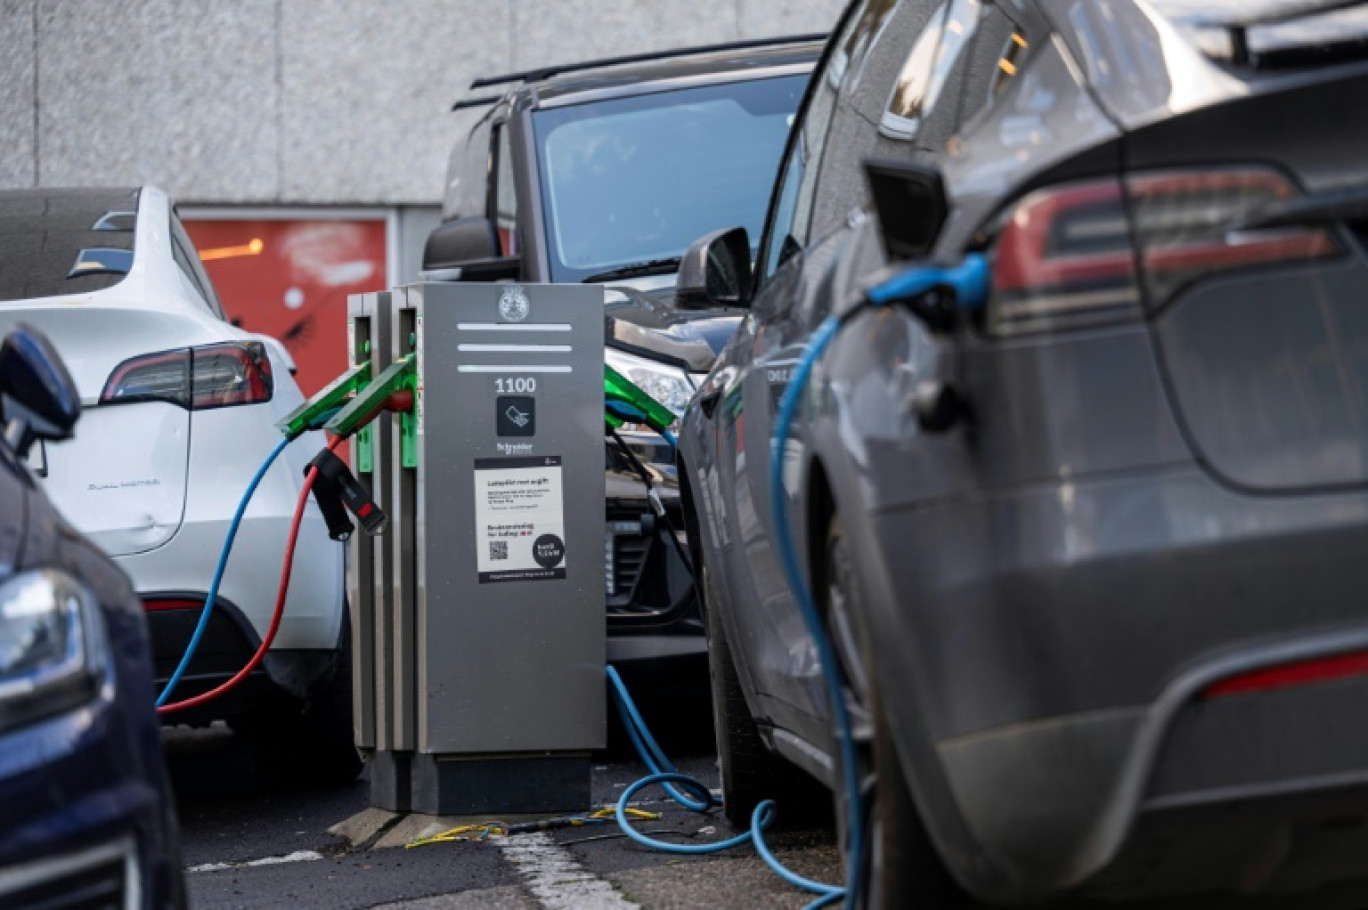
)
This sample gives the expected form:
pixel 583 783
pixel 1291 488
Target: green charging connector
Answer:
pixel 618 388
pixel 398 377
pixel 332 397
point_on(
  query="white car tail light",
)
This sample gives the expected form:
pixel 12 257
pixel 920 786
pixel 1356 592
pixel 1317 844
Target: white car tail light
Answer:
pixel 1080 254
pixel 198 379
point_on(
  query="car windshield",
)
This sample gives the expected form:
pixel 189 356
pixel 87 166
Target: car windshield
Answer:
pixel 55 242
pixel 636 180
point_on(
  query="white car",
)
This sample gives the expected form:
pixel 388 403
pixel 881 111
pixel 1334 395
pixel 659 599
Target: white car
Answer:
pixel 179 413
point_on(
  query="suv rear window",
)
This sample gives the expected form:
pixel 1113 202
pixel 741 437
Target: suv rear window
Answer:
pixel 638 179
pixel 55 242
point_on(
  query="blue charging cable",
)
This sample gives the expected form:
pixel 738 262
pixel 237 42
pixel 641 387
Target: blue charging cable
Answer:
pixel 700 799
pixel 802 595
pixel 969 280
pixel 629 414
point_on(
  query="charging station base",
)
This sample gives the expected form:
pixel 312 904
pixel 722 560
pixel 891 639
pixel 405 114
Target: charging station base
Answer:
pixel 502 785
pixel 391 780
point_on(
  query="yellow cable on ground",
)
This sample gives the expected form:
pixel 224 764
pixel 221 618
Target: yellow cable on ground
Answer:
pixel 482 830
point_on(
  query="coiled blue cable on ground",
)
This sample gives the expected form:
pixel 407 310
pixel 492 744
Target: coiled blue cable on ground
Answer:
pixel 654 759
pixel 649 750
pixel 218 573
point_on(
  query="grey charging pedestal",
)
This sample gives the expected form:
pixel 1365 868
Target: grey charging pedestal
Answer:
pixel 495 547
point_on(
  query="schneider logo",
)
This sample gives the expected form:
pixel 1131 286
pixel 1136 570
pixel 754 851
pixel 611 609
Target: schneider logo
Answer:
pixel 513 303
pixel 515 448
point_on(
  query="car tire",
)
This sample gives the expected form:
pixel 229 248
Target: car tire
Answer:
pixel 327 729
pixel 313 740
pixel 900 867
pixel 750 772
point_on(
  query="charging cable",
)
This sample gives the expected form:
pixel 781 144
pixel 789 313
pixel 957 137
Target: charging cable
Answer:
pixel 969 281
pixel 210 599
pixel 281 596
pixel 699 799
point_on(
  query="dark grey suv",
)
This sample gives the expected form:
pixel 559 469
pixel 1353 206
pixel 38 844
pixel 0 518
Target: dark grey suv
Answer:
pixel 1092 553
pixel 603 172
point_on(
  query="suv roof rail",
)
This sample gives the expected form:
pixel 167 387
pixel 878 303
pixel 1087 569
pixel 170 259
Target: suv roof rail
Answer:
pixel 548 71
pixel 475 102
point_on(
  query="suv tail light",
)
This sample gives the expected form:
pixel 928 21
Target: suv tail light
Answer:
pixel 198 379
pixel 1063 258
pixel 1067 255
pixel 1188 226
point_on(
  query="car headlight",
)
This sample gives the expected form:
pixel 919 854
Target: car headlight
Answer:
pixel 53 649
pixel 668 385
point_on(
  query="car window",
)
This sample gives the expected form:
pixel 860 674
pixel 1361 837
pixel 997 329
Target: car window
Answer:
pixel 634 180
pixel 786 229
pixel 467 177
pixel 183 250
pixel 504 197
pixel 63 241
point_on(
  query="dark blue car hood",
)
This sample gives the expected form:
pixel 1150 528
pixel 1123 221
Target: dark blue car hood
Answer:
pixel 649 324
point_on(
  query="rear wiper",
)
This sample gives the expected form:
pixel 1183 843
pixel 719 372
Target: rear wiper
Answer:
pixel 1319 208
pixel 637 270
pixel 1237 24
pixel 1273 14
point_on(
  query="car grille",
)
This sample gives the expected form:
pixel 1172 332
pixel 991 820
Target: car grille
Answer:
pixel 101 878
pixel 625 549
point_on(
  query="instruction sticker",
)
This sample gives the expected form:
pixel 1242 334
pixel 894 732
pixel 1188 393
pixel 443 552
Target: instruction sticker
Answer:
pixel 519 519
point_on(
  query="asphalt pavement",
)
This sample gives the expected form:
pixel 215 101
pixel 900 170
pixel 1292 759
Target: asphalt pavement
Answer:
pixel 257 837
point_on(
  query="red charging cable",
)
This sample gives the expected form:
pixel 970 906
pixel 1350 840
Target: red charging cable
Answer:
pixel 284 590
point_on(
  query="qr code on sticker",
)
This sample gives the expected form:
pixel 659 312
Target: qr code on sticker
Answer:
pixel 498 549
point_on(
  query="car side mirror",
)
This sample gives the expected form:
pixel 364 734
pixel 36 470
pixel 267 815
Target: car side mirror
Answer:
pixel 716 271
pixel 37 394
pixel 909 201
pixel 470 245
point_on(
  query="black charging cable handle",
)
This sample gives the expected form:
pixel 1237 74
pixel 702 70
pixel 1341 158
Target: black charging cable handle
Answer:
pixel 343 489
pixel 328 494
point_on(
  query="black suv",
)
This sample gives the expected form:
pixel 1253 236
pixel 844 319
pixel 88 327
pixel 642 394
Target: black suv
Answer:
pixel 604 172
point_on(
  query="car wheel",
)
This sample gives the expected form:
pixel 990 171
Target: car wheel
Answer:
pixel 329 738
pixel 750 772
pixel 900 867
pixel 312 741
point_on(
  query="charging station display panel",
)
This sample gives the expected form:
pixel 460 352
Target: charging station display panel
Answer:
pixel 519 518
pixel 506 522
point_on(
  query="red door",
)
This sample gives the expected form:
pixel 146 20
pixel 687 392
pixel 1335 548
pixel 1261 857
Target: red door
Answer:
pixel 290 279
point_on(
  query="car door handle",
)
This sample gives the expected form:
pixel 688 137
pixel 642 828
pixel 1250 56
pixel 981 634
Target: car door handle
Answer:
pixel 708 398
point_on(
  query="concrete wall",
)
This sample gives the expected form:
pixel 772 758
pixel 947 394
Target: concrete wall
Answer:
pixel 301 101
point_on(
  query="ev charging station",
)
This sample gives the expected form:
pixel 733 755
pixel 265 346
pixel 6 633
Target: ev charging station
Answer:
pixel 370 578
pixel 481 688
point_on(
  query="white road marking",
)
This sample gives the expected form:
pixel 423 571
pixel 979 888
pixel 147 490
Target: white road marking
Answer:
pixel 556 878
pixel 299 856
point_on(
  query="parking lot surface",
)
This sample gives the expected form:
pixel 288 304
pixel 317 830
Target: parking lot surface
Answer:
pixel 255 839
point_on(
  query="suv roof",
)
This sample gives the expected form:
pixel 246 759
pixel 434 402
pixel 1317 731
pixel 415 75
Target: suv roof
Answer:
pixel 554 85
